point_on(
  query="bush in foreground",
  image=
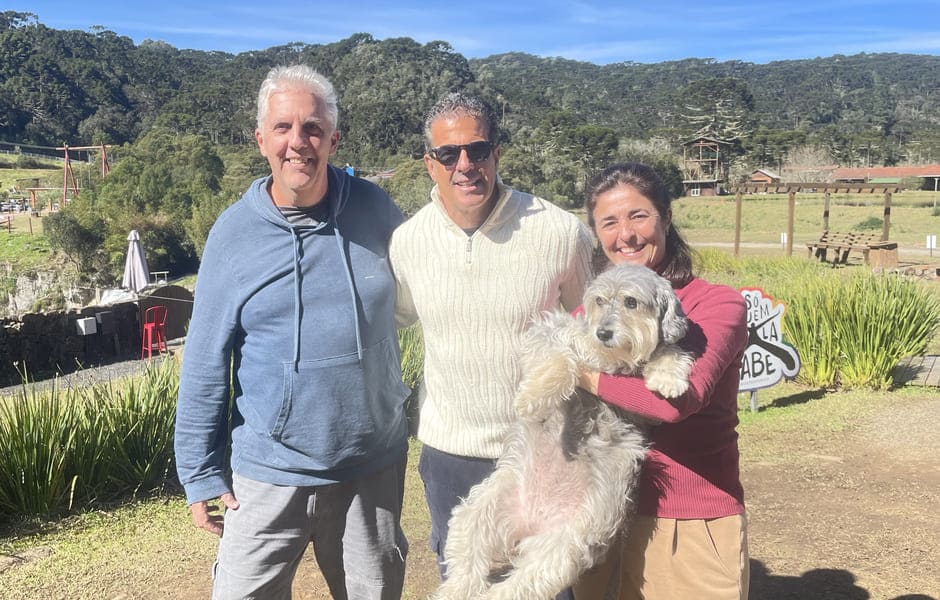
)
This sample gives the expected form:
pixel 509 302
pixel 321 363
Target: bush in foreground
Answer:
pixel 66 448
pixel 850 326
pixel 70 449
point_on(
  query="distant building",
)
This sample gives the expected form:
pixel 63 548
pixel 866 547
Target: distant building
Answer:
pixel 705 162
pixel 929 174
pixel 764 176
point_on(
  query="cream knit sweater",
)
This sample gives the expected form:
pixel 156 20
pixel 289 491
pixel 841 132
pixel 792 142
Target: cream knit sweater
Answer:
pixel 474 296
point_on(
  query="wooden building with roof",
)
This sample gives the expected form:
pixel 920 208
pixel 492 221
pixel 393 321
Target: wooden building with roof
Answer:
pixel 930 174
pixel 763 176
pixel 705 166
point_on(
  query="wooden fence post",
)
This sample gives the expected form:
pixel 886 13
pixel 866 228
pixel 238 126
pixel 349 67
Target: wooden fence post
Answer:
pixel 791 209
pixel 886 226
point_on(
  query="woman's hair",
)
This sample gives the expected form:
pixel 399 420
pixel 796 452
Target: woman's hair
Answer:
pixel 677 262
pixel 280 78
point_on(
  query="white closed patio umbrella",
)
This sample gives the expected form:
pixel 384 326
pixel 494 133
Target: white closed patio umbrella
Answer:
pixel 136 273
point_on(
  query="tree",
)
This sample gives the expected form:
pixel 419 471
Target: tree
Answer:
pixel 79 239
pixel 155 188
pixel 409 186
pixel 803 163
pixel 10 19
pixel 387 87
pixel 719 107
pixel 658 154
pixel 591 147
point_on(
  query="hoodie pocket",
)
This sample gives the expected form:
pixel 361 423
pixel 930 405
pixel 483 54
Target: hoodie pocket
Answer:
pixel 339 411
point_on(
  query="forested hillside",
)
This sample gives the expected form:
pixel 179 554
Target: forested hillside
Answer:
pixel 90 87
pixel 181 122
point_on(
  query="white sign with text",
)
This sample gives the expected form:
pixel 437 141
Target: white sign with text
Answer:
pixel 767 358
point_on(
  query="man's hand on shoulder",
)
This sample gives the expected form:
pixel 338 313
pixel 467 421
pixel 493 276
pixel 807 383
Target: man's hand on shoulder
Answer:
pixel 206 516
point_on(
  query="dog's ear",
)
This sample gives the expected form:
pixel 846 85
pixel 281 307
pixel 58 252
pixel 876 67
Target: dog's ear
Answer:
pixel 672 318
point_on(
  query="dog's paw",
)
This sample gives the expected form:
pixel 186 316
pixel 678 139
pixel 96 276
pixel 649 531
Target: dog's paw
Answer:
pixel 667 372
pixel 546 387
pixel 666 385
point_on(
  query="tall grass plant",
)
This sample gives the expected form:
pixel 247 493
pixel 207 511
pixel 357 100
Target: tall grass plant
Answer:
pixel 140 430
pixel 66 448
pixel 411 341
pixel 850 327
pixel 38 436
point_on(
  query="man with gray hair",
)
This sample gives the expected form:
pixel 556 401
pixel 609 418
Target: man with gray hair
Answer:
pixel 294 306
pixel 476 265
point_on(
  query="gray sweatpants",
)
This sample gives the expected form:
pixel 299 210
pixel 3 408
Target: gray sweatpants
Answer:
pixel 354 527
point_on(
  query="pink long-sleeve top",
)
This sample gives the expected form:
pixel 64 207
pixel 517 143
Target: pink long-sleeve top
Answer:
pixel 691 471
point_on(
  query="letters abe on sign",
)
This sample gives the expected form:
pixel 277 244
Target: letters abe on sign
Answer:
pixel 767 358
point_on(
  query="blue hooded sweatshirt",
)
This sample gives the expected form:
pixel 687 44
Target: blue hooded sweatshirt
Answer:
pixel 300 320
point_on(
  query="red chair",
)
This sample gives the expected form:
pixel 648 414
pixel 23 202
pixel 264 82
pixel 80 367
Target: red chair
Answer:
pixel 154 331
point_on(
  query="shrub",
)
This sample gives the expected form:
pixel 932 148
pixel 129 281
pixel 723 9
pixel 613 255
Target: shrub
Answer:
pixel 870 224
pixel 69 448
pixel 410 186
pixel 850 328
pixel 140 430
pixel 852 332
pixel 412 368
pixel 64 448
pixel 38 433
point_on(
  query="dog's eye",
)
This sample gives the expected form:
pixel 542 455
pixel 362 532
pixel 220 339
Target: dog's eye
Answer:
pixel 629 302
pixel 599 301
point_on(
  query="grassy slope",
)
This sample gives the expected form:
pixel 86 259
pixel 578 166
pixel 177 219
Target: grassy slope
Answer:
pixel 9 177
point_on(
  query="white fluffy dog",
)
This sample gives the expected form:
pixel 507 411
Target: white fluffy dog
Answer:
pixel 565 483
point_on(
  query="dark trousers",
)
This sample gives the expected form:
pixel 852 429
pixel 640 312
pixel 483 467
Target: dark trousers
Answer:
pixel 447 479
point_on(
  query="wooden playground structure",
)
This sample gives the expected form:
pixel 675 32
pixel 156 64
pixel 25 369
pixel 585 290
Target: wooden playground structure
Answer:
pixel 68 176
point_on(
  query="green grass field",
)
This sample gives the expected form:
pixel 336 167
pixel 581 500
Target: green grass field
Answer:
pixel 764 218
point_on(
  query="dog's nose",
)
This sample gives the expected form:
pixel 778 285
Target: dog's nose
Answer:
pixel 603 334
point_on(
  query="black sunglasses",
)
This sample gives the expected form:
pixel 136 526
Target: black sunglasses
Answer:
pixel 449 154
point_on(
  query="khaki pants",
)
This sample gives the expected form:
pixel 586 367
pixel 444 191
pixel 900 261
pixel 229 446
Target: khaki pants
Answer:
pixel 664 559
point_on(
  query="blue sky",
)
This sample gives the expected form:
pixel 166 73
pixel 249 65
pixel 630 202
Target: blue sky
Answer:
pixel 599 32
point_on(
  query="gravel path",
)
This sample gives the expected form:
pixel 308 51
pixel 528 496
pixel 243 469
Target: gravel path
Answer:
pixel 86 377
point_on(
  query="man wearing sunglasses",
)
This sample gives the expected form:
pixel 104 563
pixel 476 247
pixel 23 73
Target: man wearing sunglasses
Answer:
pixel 475 266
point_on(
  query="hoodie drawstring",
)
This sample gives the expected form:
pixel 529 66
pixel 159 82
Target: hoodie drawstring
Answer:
pixel 297 244
pixel 297 297
pixel 298 233
pixel 352 289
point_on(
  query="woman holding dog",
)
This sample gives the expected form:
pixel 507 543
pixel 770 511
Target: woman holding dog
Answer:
pixel 689 536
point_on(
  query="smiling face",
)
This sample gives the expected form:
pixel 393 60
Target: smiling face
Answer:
pixel 629 227
pixel 467 189
pixel 297 138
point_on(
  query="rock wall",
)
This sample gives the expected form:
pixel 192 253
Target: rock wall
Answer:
pixel 48 343
pixel 39 287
